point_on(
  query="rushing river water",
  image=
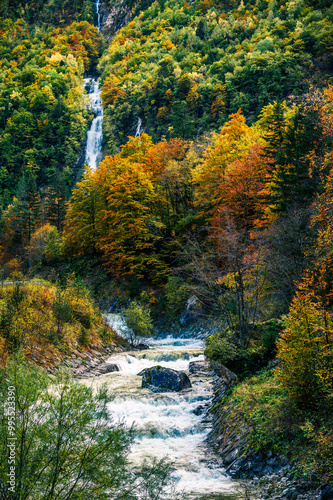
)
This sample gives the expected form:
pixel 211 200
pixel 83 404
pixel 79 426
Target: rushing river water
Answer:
pixel 165 422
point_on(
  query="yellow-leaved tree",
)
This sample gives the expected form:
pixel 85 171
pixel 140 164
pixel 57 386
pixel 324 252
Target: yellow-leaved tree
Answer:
pixel 305 351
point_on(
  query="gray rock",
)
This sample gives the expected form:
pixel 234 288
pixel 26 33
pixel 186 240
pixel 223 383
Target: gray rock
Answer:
pixel 199 410
pixel 192 312
pixel 108 368
pixel 273 462
pixel 159 379
pixel 198 367
pixel 141 347
pixel 226 375
pixel 231 457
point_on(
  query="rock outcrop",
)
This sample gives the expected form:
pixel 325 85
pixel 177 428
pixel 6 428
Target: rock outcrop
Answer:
pixel 114 15
pixel 192 313
pixel 159 379
pixel 226 376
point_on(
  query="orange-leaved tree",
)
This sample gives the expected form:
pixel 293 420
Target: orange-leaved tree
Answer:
pixel 120 209
pixel 132 229
pixel 232 143
pixel 242 189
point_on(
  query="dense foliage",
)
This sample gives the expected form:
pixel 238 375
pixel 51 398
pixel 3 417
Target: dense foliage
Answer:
pixel 276 424
pixel 225 193
pixel 52 12
pixel 183 68
pixel 131 206
pixel 43 115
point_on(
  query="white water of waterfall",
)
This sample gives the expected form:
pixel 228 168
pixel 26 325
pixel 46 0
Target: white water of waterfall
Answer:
pixel 165 422
pixel 97 3
pixel 95 134
pixel 138 131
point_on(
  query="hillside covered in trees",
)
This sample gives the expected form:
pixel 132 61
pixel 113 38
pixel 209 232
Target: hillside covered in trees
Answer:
pixel 183 68
pixel 226 193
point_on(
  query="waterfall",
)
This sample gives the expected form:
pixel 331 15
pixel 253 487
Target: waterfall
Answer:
pixel 139 130
pixel 95 134
pixel 97 3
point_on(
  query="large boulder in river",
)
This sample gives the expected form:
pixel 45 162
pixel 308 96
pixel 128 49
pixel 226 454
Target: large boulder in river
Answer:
pixel 159 379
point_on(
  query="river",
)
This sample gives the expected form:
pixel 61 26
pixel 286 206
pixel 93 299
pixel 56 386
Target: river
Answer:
pixel 166 423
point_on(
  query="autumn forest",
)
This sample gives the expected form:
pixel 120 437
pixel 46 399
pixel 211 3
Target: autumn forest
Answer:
pixel 225 194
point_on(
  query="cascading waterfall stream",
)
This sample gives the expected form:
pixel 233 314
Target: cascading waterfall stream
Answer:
pixel 138 130
pixel 169 424
pixel 98 14
pixel 95 134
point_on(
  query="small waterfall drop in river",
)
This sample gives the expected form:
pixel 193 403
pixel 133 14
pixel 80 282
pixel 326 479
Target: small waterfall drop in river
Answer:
pixel 165 422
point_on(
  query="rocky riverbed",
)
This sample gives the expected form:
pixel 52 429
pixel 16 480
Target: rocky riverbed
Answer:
pixel 89 363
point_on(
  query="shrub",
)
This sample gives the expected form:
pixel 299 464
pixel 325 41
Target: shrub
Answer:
pixel 175 294
pixel 35 316
pixel 45 244
pixel 243 361
pixel 138 321
pixel 84 338
pixel 67 446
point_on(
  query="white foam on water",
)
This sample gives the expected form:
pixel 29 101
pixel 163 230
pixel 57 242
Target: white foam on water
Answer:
pixel 165 422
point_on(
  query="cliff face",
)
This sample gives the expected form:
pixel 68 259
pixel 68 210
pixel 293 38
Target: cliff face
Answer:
pixel 114 15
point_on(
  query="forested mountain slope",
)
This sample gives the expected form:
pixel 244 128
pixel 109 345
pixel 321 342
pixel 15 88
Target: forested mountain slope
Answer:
pixel 182 68
pixel 52 12
pixel 43 114
pixel 46 47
